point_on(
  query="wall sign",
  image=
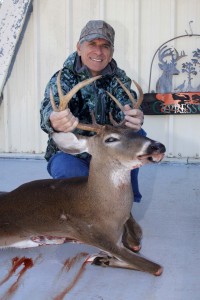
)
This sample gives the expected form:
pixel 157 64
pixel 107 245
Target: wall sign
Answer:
pixel 177 87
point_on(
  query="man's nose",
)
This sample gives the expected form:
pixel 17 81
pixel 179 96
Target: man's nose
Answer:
pixel 98 50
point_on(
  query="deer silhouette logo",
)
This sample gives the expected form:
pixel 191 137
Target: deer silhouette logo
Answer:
pixel 168 58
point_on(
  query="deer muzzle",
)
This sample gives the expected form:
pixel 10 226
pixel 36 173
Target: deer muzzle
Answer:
pixel 154 153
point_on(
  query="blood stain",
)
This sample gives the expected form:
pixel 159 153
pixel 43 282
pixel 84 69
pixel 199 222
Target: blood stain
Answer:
pixel 69 263
pixel 16 263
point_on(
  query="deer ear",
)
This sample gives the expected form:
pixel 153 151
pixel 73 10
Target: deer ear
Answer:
pixel 69 143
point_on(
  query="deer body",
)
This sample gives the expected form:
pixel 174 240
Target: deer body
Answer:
pixel 94 210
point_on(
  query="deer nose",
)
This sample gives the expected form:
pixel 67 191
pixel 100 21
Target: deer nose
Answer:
pixel 158 147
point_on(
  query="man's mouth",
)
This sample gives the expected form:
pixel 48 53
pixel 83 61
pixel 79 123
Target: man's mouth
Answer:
pixel 96 59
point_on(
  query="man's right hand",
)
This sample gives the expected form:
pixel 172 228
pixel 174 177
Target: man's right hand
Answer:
pixel 63 121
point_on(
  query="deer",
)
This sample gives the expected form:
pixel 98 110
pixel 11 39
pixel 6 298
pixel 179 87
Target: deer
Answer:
pixel 164 83
pixel 94 210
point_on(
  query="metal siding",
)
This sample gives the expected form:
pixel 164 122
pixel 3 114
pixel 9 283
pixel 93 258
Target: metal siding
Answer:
pixel 53 30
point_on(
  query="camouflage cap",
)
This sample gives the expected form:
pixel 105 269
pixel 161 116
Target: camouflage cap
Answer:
pixel 97 29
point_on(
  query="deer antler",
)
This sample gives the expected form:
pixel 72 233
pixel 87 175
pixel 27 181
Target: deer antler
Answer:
pixel 134 103
pixel 64 100
pixel 178 56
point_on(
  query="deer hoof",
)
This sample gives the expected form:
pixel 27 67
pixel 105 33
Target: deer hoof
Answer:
pixel 136 248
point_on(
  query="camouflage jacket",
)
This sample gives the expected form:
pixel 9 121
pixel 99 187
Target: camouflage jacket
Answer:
pixel 90 98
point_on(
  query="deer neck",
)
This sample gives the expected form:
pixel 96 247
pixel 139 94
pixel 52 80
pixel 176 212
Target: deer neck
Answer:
pixel 110 176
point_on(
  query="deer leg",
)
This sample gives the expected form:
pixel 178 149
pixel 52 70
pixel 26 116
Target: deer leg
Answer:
pixel 117 255
pixel 132 235
pixel 126 259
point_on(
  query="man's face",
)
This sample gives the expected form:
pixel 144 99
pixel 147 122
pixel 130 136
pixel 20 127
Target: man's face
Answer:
pixel 95 54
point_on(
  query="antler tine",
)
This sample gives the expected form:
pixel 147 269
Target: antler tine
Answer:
pixel 139 101
pixel 93 127
pixel 64 99
pixel 60 93
pixel 114 123
pixel 116 101
pixel 53 104
pixel 94 122
pixel 135 104
pixel 127 92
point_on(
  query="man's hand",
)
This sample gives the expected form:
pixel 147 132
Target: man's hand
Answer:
pixel 134 117
pixel 63 121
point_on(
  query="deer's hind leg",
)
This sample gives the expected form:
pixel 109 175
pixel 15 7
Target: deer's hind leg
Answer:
pixel 132 235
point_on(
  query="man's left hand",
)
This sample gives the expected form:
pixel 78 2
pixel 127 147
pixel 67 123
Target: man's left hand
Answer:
pixel 134 117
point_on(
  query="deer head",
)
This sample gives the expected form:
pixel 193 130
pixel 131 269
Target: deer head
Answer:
pixel 111 136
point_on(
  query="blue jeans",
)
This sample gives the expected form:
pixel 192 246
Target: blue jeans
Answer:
pixel 63 165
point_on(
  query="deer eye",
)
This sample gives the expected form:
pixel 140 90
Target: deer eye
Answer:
pixel 111 140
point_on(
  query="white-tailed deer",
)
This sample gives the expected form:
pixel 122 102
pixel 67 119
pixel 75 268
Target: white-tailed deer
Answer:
pixel 95 210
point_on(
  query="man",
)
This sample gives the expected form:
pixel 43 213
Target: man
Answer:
pixel 94 56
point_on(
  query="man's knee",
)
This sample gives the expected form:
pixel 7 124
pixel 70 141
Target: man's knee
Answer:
pixel 63 165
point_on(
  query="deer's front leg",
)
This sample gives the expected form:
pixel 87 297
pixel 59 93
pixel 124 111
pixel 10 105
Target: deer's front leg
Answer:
pixel 132 235
pixel 123 258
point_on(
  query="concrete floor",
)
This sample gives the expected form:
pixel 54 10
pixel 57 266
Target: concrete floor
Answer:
pixel 170 217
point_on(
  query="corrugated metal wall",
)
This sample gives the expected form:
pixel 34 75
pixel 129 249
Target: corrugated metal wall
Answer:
pixel 53 30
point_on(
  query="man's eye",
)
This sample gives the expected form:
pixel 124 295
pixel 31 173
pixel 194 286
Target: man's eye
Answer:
pixel 111 140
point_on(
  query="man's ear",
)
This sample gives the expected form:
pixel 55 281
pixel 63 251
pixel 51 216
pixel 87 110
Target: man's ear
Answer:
pixel 78 48
pixel 112 53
